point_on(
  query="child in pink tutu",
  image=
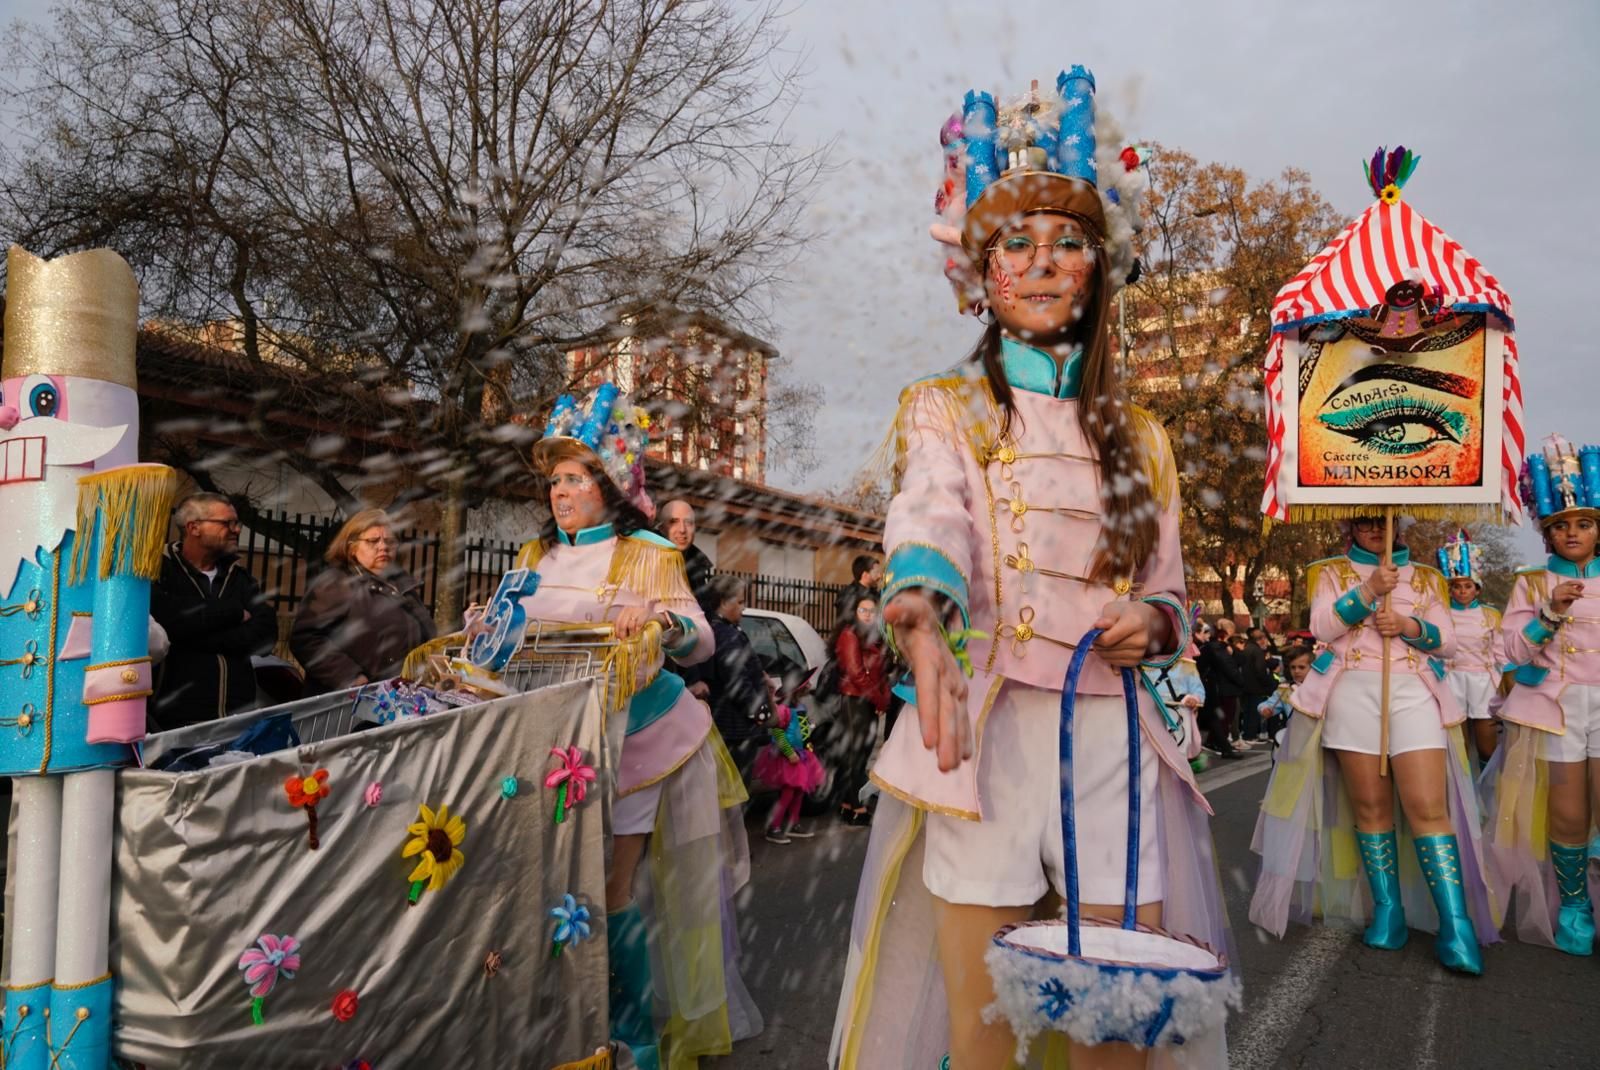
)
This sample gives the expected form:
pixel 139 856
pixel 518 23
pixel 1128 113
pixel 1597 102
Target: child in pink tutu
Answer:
pixel 789 764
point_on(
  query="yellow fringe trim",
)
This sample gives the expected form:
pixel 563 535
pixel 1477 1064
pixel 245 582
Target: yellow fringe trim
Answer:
pixel 1462 514
pixel 653 572
pixel 600 1060
pixel 417 660
pixel 132 505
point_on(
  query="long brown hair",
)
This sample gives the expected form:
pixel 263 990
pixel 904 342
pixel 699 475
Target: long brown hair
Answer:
pixel 1131 526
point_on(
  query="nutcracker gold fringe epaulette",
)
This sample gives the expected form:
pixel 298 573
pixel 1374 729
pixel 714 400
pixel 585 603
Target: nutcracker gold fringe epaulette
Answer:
pixel 131 506
pixel 1430 577
pixel 1314 571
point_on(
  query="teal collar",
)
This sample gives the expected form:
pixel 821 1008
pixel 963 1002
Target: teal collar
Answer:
pixel 1402 556
pixel 1034 370
pixel 1562 567
pixel 586 537
pixel 1470 605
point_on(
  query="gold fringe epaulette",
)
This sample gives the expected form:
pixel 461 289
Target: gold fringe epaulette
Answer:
pixel 650 570
pixel 1314 571
pixel 963 403
pixel 1160 464
pixel 1429 577
pixel 530 555
pixel 131 506
pixel 1538 584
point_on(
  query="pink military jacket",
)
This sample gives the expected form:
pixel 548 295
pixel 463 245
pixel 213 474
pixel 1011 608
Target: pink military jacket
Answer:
pixel 1550 659
pixel 591 576
pixel 1341 619
pixel 1480 650
pixel 1005 527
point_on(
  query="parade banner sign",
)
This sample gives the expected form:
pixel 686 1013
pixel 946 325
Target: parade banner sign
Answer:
pixel 1391 377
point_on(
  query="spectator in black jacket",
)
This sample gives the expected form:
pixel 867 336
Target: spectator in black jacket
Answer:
pixel 1257 683
pixel 866 573
pixel 1219 671
pixel 740 705
pixel 676 522
pixel 214 616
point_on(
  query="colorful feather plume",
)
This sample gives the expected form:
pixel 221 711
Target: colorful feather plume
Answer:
pixel 1390 169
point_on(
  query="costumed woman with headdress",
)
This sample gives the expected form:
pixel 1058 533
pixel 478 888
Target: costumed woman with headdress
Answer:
pixel 1480 655
pixel 677 791
pixel 1033 503
pixel 1318 814
pixel 1542 789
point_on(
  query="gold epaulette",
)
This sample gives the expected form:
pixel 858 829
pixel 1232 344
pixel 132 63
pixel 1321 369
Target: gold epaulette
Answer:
pixel 1427 578
pixel 1160 465
pixel 131 505
pixel 651 570
pixel 1538 585
pixel 1347 573
pixel 530 555
pixel 963 402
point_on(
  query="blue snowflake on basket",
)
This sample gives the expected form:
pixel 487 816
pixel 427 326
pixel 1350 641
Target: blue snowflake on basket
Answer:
pixel 1057 999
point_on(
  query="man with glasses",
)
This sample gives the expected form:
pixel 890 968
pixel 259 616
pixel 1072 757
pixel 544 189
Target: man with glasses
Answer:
pixel 214 615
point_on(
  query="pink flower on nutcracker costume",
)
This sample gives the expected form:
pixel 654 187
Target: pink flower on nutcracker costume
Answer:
pixel 1032 503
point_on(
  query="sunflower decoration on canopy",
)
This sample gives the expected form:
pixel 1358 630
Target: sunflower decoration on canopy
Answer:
pixel 435 841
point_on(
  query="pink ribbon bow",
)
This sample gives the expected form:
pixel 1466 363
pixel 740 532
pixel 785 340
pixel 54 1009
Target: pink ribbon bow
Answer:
pixel 571 781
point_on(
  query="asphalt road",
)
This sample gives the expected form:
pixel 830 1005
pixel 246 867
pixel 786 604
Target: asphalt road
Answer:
pixel 1317 1000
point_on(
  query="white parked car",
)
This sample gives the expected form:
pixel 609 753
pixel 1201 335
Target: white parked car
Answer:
pixel 784 635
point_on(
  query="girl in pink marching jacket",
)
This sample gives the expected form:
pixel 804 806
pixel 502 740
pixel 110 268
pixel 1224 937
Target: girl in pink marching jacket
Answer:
pixel 1480 656
pixel 1033 503
pixel 1318 814
pixel 1548 770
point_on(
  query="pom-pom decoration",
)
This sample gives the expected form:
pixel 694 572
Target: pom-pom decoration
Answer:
pixel 1388 172
pixel 273 958
pixel 435 842
pixel 345 1005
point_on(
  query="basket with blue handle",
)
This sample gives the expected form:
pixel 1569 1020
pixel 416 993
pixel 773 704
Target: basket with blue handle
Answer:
pixel 1094 979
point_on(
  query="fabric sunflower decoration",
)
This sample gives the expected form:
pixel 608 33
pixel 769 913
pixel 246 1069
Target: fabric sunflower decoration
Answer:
pixel 436 841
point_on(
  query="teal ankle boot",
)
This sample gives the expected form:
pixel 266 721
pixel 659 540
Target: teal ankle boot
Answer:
pixel 1388 930
pixel 1457 944
pixel 25 1044
pixel 632 1020
pixel 80 1026
pixel 1575 922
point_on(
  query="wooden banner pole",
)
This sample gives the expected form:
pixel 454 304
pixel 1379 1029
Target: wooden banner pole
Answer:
pixel 1383 709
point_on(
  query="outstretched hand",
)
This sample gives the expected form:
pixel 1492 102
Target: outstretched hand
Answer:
pixel 941 687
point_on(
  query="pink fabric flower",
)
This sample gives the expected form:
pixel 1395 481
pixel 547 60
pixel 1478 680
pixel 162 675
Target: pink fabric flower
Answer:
pixel 572 771
pixel 374 793
pixel 272 957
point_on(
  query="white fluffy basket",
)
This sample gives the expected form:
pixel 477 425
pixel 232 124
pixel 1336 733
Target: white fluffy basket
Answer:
pixel 1142 986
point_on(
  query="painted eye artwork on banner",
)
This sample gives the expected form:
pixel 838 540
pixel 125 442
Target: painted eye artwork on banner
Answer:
pixel 1395 398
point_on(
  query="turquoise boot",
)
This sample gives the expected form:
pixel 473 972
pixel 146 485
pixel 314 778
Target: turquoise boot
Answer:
pixel 1457 944
pixel 1575 923
pixel 26 1042
pixel 80 1026
pixel 1388 930
pixel 632 1021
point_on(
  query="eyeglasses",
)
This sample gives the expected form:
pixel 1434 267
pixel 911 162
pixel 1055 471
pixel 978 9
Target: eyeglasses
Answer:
pixel 387 541
pixel 231 525
pixel 1366 524
pixel 575 482
pixel 1017 252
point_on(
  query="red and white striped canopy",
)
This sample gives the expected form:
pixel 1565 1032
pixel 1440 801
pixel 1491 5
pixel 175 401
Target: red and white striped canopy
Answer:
pixel 1386 244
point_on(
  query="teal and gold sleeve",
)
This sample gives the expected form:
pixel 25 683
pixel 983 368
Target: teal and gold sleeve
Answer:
pixel 1351 609
pixel 684 646
pixel 1429 638
pixel 1537 632
pixel 920 564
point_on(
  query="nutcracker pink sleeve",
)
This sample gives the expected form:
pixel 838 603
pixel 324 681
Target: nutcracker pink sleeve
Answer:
pixel 1521 628
pixel 929 535
pixel 1327 621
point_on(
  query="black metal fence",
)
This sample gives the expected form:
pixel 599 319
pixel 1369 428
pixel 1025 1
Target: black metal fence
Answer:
pixel 284 553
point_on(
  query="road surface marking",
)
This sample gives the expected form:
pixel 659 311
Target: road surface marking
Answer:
pixel 1274 1019
pixel 1221 774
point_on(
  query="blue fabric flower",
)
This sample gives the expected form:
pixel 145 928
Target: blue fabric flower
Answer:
pixel 572 923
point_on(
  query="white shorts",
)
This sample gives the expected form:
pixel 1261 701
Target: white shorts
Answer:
pixel 1353 720
pixel 1473 691
pixel 1004 859
pixel 1580 705
pixel 690 790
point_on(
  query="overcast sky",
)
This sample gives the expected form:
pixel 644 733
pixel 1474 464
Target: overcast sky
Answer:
pixel 1499 100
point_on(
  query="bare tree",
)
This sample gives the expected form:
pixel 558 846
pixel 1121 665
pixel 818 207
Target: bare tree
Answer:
pixel 421 205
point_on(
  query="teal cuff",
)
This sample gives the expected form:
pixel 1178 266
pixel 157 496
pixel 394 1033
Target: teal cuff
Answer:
pixel 1428 640
pixel 916 564
pixel 686 647
pixel 1180 630
pixel 1351 609
pixel 1538 632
